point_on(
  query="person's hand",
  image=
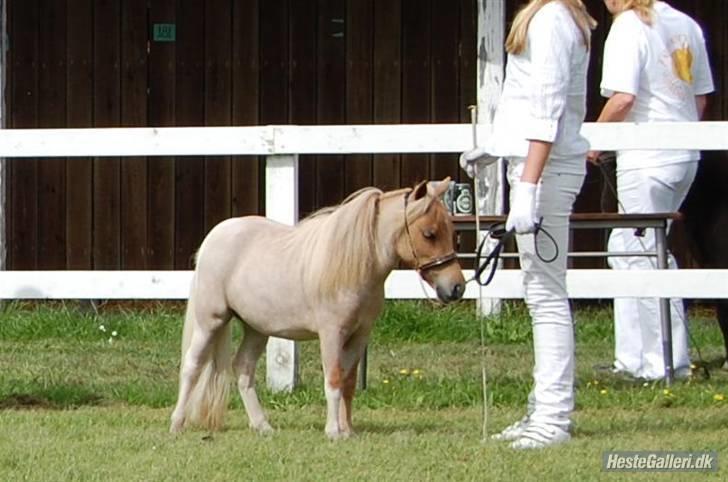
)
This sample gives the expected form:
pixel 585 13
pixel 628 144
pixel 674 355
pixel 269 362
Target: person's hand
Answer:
pixel 593 157
pixel 478 155
pixel 522 217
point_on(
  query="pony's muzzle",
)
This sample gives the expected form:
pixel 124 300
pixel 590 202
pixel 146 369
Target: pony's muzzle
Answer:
pixel 452 293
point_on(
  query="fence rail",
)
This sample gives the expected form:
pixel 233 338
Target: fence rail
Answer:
pixel 330 139
pixel 282 144
pixel 401 284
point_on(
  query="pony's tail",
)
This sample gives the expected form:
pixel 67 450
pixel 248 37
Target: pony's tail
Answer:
pixel 209 398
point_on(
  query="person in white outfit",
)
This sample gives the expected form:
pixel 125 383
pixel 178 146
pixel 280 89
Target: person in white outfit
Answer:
pixel 536 128
pixel 655 69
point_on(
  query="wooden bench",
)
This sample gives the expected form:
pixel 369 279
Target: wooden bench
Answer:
pixel 656 221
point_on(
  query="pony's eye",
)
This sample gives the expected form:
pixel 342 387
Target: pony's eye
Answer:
pixel 428 234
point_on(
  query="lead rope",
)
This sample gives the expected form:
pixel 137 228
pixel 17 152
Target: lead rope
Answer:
pixel 483 349
pixel 497 232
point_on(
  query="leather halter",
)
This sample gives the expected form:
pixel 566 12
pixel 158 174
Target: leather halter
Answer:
pixel 434 263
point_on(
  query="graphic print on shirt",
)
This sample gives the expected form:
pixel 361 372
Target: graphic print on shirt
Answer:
pixel 682 59
pixel 677 61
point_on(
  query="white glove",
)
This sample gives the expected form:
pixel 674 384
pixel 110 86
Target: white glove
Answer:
pixel 479 155
pixel 522 216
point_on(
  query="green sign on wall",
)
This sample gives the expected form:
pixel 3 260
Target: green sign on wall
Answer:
pixel 165 32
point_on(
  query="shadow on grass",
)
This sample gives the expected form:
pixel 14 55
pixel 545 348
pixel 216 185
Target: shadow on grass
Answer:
pixel 364 427
pixel 59 397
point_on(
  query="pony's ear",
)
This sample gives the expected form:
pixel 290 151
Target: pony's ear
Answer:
pixel 419 191
pixel 437 189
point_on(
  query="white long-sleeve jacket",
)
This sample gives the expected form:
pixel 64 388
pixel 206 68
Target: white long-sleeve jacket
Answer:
pixel 544 94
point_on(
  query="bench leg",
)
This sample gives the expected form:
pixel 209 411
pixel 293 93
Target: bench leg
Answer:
pixel 664 306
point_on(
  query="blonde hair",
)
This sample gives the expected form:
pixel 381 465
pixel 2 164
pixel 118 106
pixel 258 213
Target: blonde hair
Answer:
pixel 516 41
pixel 642 8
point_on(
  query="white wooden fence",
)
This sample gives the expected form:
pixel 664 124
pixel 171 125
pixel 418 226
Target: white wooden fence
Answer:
pixel 282 145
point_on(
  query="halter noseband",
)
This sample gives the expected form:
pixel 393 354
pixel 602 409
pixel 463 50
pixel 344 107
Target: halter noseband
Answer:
pixel 422 267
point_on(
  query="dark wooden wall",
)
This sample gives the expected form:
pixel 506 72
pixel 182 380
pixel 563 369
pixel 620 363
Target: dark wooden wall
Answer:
pixel 84 63
pixel 94 63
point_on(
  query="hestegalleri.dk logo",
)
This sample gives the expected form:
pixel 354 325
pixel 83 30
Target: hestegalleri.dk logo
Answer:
pixel 660 461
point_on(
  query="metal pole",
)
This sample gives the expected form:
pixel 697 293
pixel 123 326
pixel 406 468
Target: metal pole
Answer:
pixel 664 305
pixel 363 365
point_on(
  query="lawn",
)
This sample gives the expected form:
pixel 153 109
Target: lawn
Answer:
pixel 87 395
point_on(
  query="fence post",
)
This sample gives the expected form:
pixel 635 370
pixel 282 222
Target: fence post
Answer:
pixel 281 204
pixel 491 35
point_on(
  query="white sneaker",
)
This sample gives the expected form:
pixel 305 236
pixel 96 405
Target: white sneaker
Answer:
pixel 682 373
pixel 539 435
pixel 513 431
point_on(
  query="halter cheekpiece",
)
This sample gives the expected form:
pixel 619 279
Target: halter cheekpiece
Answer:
pixel 422 267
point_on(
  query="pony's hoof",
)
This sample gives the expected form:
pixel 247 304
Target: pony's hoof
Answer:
pixel 263 428
pixel 338 435
pixel 176 427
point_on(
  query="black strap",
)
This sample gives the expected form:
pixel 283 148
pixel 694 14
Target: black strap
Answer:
pixel 498 231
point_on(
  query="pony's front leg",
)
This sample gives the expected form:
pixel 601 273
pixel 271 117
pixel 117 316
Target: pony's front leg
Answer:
pixel 352 354
pixel 244 364
pixel 331 358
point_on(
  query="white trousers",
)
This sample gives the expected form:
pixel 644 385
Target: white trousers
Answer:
pixel 551 400
pixel 637 329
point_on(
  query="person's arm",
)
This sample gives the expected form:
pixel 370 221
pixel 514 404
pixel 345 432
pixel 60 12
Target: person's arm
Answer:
pixel 617 107
pixel 701 102
pixel 615 110
pixel 522 215
pixel 702 76
pixel 623 60
pixel 538 154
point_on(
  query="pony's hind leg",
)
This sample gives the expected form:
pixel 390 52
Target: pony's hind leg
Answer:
pixel 244 365
pixel 205 346
pixel 722 310
pixel 348 389
pixel 193 361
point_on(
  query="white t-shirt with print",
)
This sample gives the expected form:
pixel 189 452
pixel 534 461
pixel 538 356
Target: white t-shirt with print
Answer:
pixel 664 66
pixel 544 93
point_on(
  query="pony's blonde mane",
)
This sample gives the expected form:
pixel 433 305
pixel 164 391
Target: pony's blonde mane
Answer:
pixel 338 244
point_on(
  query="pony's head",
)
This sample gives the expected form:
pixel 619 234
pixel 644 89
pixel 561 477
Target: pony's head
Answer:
pixel 427 241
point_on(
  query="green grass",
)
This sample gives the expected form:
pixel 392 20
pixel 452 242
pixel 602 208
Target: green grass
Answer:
pixel 78 402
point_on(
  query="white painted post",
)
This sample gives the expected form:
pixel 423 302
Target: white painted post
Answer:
pixel 281 204
pixel 491 38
